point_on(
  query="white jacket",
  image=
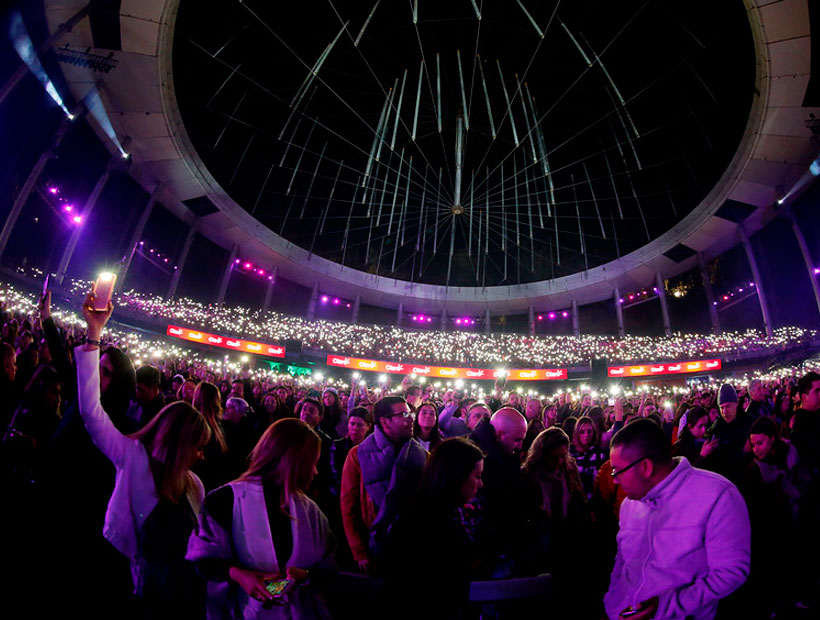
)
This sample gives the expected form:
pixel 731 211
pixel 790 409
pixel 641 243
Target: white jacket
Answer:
pixel 686 542
pixel 135 494
pixel 251 545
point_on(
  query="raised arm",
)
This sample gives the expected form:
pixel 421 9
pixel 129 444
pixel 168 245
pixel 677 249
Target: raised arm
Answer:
pixel 102 430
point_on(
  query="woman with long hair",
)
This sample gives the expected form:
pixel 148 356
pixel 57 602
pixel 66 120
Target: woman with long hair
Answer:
pixel 217 468
pixel 425 426
pixel 156 497
pixel 334 422
pixel 431 539
pixel 586 450
pixel 691 438
pixel 263 528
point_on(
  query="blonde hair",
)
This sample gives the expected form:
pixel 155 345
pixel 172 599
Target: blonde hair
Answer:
pixel 167 438
pixel 285 454
pixel 208 401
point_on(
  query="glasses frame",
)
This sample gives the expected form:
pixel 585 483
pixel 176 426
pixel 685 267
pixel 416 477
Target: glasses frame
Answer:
pixel 405 414
pixel 617 472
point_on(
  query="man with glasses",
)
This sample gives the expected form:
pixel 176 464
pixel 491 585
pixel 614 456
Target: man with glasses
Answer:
pixel 684 533
pixel 379 478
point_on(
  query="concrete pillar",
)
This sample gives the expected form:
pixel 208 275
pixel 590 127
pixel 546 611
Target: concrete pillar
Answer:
pixel 181 260
pixel 269 292
pixel 487 321
pixel 444 319
pixel 33 176
pixel 314 296
pixel 667 326
pixel 357 303
pixel 399 314
pixel 710 296
pixel 226 275
pixel 619 312
pixel 804 248
pixel 761 290
pixel 576 329
pixel 531 320
pixel 71 245
pixel 135 237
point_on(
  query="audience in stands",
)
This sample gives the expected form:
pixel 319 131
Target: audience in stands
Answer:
pixel 510 495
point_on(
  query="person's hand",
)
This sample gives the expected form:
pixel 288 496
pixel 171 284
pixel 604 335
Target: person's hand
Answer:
pixel 253 582
pixel 619 409
pixel 709 447
pixel 44 306
pixel 647 610
pixel 95 319
pixel 364 566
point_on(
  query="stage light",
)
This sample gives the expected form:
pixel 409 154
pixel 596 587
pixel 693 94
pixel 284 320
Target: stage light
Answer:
pixel 551 315
pixel 325 299
pixel 565 314
pixel 337 301
pixel 237 261
pixel 77 219
pixel 68 208
pixel 458 321
pixel 816 271
pixel 248 265
pixel 53 190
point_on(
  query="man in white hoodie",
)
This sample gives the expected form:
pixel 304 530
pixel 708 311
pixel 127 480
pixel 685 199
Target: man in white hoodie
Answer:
pixel 684 539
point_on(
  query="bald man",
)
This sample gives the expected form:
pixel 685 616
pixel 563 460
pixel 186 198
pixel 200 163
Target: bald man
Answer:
pixel 504 500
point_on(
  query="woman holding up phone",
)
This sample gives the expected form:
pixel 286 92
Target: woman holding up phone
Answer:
pixel 156 497
pixel 260 535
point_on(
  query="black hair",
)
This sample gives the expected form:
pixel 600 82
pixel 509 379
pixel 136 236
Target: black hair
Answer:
pixel 148 376
pixel 448 467
pixel 806 381
pixel 647 439
pixel 764 426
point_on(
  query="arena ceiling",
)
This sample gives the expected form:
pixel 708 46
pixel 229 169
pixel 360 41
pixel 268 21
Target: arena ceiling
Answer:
pixel 466 155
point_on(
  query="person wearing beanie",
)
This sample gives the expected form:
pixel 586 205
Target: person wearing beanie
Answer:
pixel 723 451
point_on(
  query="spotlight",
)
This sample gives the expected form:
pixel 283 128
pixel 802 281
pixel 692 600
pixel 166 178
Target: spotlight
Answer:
pixel 565 314
pixel 77 219
pixel 325 299
pixel 458 321
pixel 540 317
pixel 248 265
pixel 53 190
pixel 552 315
pixel 237 261
pixel 337 301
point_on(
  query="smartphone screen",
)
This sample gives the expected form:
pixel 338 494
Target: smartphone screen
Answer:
pixel 277 587
pixel 104 289
pixel 45 284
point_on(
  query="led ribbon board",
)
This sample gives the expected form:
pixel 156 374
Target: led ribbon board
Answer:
pixel 665 368
pixel 444 372
pixel 226 342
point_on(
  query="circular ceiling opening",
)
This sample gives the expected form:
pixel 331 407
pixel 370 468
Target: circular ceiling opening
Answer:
pixel 471 143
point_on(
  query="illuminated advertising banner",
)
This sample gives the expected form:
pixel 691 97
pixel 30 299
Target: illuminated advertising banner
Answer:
pixel 226 342
pixel 666 368
pixel 444 372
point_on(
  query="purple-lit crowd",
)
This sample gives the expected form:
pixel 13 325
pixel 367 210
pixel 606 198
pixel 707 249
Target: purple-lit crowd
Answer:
pixel 176 490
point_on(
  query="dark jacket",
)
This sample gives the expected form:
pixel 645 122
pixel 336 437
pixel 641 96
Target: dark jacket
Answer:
pixel 507 509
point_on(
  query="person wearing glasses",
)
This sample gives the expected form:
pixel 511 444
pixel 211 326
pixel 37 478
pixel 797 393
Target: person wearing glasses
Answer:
pixel 379 478
pixel 684 540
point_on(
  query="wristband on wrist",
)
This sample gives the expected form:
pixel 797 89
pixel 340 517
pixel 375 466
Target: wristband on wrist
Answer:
pixel 91 341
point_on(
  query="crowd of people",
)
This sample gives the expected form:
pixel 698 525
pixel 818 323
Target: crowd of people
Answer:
pixel 457 347
pixel 227 493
